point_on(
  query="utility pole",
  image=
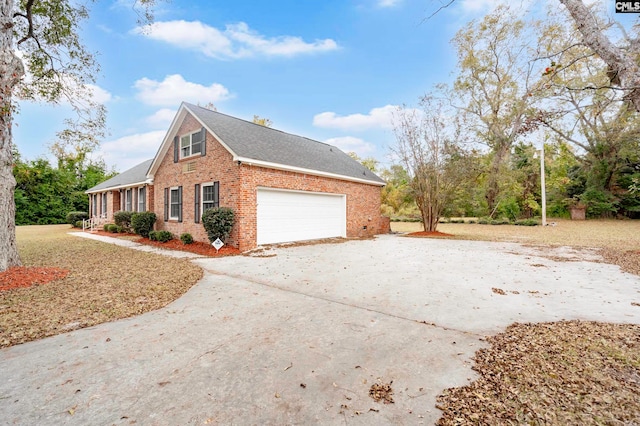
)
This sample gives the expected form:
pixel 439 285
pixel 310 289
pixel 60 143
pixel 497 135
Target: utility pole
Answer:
pixel 543 187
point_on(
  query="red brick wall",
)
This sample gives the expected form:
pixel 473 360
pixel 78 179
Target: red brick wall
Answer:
pixel 238 186
pixel 217 165
pixel 363 201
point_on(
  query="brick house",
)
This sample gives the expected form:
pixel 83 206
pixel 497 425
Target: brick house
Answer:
pixel 281 187
pixel 128 191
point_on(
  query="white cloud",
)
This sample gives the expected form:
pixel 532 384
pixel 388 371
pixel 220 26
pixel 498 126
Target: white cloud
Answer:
pixel 235 41
pixel 98 94
pixel 161 118
pixel 352 144
pixel 174 89
pixel 388 3
pixel 127 151
pixel 376 118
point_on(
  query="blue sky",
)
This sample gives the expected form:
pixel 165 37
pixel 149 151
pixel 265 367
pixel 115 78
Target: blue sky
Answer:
pixel 330 70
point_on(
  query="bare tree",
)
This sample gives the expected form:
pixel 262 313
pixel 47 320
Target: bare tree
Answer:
pixel 622 59
pixel 428 146
pixel 497 85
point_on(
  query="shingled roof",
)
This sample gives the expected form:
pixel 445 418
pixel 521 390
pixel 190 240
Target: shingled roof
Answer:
pixel 135 175
pixel 255 144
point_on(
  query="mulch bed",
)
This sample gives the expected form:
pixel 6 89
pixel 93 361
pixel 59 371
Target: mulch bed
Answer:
pixel 429 234
pixel 22 276
pixel 196 247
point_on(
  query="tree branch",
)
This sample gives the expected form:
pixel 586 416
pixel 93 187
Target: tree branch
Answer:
pixel 29 17
pixel 444 6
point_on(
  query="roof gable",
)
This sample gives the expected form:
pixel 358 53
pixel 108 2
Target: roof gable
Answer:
pixel 252 143
pixel 135 175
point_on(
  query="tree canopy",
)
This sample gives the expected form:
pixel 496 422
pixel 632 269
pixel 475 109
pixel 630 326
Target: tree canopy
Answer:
pixel 42 58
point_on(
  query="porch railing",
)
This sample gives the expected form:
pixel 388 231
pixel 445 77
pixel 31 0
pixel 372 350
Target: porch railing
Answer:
pixel 94 223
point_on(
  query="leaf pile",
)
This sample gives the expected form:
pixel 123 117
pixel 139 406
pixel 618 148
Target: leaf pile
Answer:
pixel 382 392
pixel 569 372
pixel 628 260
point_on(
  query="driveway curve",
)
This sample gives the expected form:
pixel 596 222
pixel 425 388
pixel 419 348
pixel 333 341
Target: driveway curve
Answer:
pixel 299 335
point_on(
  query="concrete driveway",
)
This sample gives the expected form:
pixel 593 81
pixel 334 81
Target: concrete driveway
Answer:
pixel 299 335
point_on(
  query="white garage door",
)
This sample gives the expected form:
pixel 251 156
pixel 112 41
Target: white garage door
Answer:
pixel 296 216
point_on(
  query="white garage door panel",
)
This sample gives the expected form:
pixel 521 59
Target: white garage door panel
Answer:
pixel 295 216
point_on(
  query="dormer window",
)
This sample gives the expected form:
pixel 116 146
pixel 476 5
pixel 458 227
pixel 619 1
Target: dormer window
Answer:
pixel 191 144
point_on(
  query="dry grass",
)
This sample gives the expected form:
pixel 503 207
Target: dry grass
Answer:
pixel 616 234
pixel 105 283
pixel 618 240
pixel 565 373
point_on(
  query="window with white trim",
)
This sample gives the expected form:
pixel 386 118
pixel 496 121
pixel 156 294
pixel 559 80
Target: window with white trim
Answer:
pixel 174 203
pixel 142 202
pixel 210 196
pixel 191 144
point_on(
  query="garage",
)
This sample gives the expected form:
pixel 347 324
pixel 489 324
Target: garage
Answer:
pixel 284 216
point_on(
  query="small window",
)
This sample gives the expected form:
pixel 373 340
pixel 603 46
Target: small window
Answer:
pixel 210 196
pixel 94 205
pixel 191 144
pixel 175 204
pixel 103 205
pixel 142 202
pixel 128 200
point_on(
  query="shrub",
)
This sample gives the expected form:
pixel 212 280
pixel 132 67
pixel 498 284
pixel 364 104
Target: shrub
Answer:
pixel 78 224
pixel 405 219
pixel 503 221
pixel 484 221
pixel 527 222
pixel 186 238
pixel 509 209
pixel 218 222
pixel 164 236
pixel 123 219
pixel 106 226
pixel 74 217
pixel 113 228
pixel 153 235
pixel 142 223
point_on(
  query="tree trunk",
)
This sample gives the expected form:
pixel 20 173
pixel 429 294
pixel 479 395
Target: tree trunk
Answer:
pixel 621 62
pixel 11 71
